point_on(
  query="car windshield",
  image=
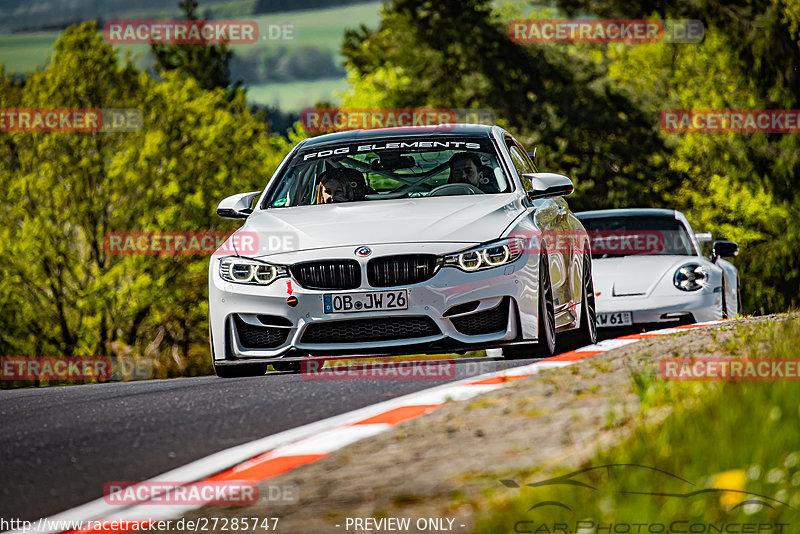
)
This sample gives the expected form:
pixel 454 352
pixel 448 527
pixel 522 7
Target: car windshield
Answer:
pixel 613 237
pixel 372 170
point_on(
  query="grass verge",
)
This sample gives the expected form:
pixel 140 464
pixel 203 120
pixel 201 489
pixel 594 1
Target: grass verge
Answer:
pixel 668 477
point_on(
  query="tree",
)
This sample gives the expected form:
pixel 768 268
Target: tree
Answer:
pixel 549 97
pixel 64 294
pixel 761 34
pixel 209 64
pixel 593 111
pixel 738 186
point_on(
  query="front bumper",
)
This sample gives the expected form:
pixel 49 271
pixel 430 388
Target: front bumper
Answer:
pixel 251 323
pixel 704 305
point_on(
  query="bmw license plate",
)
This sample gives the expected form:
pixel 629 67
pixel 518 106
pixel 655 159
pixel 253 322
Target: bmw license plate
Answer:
pixel 371 301
pixel 615 319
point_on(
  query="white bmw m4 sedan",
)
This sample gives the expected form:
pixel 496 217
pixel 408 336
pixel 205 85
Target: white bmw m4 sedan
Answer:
pixel 404 240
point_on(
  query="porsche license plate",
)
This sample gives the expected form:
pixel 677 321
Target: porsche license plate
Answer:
pixel 371 301
pixel 615 319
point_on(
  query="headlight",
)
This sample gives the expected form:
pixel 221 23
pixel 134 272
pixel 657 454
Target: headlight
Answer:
pixel 487 256
pixel 244 271
pixel 690 277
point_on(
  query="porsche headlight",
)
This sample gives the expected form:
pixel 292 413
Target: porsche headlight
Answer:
pixel 690 277
pixel 487 256
pixel 245 271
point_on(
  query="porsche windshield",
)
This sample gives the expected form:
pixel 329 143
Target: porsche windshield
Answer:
pixel 628 235
pixel 388 169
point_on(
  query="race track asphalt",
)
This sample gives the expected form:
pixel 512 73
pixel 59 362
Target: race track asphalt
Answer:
pixel 59 446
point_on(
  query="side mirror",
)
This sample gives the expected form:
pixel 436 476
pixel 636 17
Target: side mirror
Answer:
pixel 237 206
pixel 724 249
pixel 547 185
pixel 703 237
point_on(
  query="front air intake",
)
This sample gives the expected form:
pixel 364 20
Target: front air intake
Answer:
pixel 391 271
pixel 327 274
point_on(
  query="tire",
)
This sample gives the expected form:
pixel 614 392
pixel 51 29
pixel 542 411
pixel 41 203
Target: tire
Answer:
pixel 240 371
pixel 543 348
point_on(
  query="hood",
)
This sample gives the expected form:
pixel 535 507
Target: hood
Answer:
pixel 634 275
pixel 470 219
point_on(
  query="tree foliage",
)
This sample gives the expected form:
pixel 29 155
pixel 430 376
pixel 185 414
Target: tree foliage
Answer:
pixel 761 34
pixel 458 55
pixel 593 111
pixel 64 294
pixel 209 64
pixel 738 186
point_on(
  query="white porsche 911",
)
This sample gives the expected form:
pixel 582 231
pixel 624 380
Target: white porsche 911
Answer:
pixel 649 270
pixel 394 241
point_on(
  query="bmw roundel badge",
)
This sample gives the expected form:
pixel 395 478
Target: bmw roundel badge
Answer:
pixel 363 251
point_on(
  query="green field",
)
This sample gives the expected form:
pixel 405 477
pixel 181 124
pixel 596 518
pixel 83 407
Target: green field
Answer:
pixel 295 96
pixel 321 27
pixel 23 52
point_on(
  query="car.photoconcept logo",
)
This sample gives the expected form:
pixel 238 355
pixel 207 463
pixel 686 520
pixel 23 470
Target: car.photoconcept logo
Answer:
pixel 685 489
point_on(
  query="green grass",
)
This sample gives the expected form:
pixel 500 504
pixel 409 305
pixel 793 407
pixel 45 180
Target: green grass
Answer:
pixel 743 435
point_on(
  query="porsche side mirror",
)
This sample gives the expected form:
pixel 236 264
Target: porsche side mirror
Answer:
pixel 548 185
pixel 724 249
pixel 237 206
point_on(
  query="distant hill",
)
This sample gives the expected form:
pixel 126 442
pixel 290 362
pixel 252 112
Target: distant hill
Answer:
pixel 17 15
pixel 48 15
pixel 275 6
